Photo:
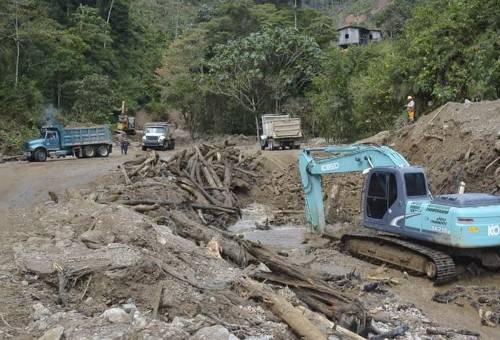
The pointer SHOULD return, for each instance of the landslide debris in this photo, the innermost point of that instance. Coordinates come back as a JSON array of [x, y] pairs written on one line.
[[150, 252], [456, 142]]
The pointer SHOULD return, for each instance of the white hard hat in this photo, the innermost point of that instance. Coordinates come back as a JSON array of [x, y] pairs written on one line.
[[410, 97]]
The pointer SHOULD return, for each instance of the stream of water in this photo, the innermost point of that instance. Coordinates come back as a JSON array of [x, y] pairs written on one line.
[[286, 236]]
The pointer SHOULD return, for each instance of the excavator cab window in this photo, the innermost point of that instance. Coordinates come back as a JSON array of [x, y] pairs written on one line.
[[382, 193], [415, 184]]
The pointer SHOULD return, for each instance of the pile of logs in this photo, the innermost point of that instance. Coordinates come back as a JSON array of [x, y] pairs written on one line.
[[349, 316], [210, 174]]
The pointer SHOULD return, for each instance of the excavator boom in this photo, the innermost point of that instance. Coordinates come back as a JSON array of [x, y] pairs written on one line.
[[314, 162]]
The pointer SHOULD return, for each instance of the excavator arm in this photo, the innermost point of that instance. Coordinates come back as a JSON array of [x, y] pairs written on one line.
[[338, 159]]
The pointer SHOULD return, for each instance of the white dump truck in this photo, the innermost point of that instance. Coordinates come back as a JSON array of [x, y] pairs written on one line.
[[279, 131]]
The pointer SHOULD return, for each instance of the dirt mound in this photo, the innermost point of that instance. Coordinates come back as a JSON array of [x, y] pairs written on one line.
[[140, 274], [455, 143]]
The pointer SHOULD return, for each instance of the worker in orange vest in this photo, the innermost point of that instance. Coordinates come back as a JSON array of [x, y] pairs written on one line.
[[410, 107]]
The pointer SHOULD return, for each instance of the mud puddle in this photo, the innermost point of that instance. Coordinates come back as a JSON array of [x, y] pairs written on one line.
[[286, 236]]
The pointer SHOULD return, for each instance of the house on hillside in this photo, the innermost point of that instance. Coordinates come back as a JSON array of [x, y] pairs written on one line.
[[357, 35]]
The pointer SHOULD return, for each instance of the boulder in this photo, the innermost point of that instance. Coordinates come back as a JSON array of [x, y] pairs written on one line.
[[497, 145], [116, 315], [53, 334], [216, 332], [95, 239], [40, 311]]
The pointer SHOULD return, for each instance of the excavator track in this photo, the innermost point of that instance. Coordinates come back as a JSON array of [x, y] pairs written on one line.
[[436, 265]]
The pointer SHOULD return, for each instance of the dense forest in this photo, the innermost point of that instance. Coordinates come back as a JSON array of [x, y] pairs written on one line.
[[221, 63]]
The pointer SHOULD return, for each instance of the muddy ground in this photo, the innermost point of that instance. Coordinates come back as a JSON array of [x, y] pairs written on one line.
[[41, 238]]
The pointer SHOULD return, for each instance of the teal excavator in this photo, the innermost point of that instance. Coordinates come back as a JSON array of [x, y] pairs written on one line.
[[411, 229]]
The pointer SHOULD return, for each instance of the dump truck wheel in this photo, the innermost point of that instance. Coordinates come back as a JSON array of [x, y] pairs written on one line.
[[40, 155], [102, 151], [171, 145], [88, 151]]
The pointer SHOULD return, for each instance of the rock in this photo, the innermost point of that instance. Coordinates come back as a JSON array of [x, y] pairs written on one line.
[[129, 307], [40, 311], [64, 233], [498, 134], [181, 323], [116, 315], [497, 145], [95, 239], [139, 321], [53, 334], [216, 332]]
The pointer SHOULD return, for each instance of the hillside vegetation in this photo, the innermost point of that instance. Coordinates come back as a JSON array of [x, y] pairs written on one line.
[[221, 64]]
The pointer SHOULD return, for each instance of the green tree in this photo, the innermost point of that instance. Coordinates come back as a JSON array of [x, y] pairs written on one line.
[[95, 99], [181, 79], [265, 68]]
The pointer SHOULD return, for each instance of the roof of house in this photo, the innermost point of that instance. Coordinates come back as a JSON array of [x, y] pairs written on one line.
[[358, 27]]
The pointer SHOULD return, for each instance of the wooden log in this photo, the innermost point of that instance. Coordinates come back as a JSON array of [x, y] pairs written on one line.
[[125, 176], [157, 300], [145, 208], [428, 136], [231, 249], [213, 174], [228, 199], [179, 160], [283, 309], [209, 197], [243, 171], [208, 176], [449, 332], [145, 202], [187, 185], [216, 208], [328, 324], [136, 161]]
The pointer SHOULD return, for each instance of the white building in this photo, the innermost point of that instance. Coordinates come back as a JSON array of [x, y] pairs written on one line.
[[357, 35]]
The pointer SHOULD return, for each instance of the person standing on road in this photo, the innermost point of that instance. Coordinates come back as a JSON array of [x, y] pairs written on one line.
[[410, 108], [123, 144]]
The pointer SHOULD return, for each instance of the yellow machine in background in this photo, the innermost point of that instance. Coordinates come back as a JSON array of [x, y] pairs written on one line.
[[125, 122]]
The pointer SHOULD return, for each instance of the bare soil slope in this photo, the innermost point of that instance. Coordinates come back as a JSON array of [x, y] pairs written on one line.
[[457, 142]]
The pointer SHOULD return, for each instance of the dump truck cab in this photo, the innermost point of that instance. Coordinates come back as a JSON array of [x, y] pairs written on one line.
[[158, 135]]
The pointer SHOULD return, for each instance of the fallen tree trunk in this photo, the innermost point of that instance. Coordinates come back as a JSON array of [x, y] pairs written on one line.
[[192, 230], [216, 208], [283, 309], [145, 202], [324, 322], [125, 176]]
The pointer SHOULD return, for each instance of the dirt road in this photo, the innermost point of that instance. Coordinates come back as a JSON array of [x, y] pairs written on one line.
[[24, 184]]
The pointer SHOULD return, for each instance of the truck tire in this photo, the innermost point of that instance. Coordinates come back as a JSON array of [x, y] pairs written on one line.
[[171, 144], [88, 151], [102, 151], [40, 155], [144, 148], [271, 145]]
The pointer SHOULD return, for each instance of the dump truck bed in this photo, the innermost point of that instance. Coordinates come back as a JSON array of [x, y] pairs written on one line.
[[281, 127], [85, 136]]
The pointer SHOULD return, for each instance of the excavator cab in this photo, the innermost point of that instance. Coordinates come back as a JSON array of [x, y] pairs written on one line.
[[386, 193]]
